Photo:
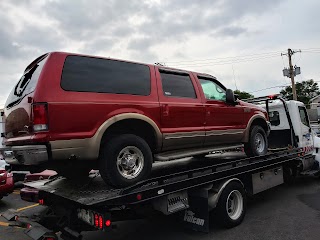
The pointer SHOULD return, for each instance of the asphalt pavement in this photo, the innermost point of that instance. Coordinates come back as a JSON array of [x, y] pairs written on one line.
[[285, 212]]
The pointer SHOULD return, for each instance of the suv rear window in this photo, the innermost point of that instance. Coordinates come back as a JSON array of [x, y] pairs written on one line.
[[176, 84], [87, 74], [27, 82]]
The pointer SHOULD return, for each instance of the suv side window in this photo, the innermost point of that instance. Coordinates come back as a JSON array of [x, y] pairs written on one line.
[[212, 90], [177, 84], [87, 74], [304, 116]]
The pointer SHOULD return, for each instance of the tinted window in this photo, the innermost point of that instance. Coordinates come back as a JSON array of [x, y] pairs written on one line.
[[274, 118], [213, 90], [304, 116], [27, 82], [177, 85], [85, 74]]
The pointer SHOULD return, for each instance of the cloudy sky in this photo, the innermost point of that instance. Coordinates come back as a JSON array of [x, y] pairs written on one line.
[[239, 42]]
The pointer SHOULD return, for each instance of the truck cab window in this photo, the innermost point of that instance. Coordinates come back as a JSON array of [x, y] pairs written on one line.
[[304, 116], [212, 90], [274, 118]]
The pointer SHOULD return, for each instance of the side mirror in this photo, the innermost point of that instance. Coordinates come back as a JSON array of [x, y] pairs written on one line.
[[230, 96]]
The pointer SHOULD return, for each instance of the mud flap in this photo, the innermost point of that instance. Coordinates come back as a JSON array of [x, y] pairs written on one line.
[[197, 216]]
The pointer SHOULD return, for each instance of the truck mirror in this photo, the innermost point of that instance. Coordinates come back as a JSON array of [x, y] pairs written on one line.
[[230, 96]]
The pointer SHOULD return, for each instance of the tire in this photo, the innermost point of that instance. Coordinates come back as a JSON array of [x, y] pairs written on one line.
[[115, 167], [226, 215], [258, 142]]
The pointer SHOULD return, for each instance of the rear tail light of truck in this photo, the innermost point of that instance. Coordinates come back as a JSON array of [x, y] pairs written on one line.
[[98, 220], [40, 117]]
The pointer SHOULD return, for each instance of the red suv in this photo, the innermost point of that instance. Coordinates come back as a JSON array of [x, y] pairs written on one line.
[[70, 111]]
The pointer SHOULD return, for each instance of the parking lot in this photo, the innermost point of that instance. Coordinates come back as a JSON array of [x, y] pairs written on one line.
[[285, 212]]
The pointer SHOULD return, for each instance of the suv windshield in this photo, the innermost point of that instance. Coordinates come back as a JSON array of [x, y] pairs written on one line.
[[27, 82]]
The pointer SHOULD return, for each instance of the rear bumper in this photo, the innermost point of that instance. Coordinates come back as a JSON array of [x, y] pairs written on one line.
[[28, 155], [75, 149]]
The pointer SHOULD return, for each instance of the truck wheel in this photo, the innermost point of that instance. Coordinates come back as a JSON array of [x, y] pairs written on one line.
[[258, 143], [232, 205], [125, 160]]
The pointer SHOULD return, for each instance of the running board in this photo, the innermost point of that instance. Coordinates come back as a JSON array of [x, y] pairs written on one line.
[[167, 156]]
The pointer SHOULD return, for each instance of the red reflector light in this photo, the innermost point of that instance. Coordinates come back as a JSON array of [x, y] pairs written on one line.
[[41, 201], [108, 223], [100, 222], [40, 117], [139, 197], [96, 220]]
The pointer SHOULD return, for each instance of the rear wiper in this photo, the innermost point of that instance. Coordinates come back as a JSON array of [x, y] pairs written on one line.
[[23, 82]]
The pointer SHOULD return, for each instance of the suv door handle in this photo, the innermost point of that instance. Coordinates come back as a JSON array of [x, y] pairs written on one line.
[[165, 110]]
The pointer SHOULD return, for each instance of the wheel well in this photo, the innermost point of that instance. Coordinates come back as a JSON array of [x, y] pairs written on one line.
[[260, 122], [132, 126]]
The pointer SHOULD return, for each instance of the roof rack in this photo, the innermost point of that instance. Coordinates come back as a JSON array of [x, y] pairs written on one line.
[[263, 98]]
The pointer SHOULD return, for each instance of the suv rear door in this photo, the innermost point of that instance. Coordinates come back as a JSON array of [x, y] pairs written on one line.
[[18, 107], [224, 122], [182, 111]]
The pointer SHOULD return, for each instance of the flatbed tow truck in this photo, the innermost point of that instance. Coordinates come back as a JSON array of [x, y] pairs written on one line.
[[216, 190]]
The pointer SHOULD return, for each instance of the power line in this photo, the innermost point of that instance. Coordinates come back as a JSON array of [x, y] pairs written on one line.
[[227, 62], [239, 56]]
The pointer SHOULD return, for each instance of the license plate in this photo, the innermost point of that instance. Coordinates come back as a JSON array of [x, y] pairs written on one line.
[[86, 216]]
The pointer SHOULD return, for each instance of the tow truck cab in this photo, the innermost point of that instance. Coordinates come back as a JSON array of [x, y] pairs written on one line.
[[290, 128]]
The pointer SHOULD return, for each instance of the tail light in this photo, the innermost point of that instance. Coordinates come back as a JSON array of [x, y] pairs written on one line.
[[40, 117], [100, 222]]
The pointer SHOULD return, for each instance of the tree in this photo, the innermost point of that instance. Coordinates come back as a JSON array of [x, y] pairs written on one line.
[[243, 95], [306, 90]]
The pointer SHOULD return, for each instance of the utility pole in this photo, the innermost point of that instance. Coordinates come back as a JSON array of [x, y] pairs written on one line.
[[291, 72], [294, 91]]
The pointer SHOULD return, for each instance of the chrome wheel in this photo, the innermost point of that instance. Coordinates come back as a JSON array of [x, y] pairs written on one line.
[[234, 205], [260, 143], [130, 162]]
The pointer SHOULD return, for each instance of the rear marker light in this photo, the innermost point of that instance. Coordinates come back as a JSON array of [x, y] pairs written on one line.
[[41, 201], [96, 220], [108, 223], [100, 222], [139, 197]]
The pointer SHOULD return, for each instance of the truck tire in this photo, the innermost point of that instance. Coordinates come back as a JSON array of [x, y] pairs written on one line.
[[258, 142], [125, 160], [232, 205]]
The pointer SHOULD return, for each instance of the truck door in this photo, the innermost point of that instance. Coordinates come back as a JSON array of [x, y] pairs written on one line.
[[224, 122], [305, 136], [182, 110]]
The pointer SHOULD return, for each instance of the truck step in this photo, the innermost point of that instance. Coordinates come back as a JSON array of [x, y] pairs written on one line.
[[170, 155]]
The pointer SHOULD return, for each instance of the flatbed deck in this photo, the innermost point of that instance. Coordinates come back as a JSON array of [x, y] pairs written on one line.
[[94, 192]]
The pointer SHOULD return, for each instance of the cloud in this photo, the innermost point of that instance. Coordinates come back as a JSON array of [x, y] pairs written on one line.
[[161, 31]]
